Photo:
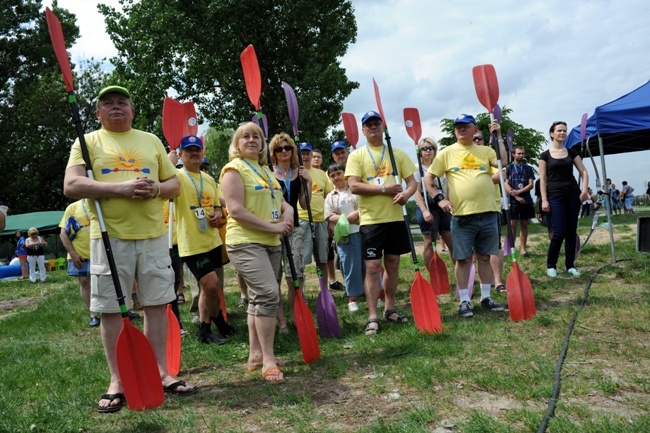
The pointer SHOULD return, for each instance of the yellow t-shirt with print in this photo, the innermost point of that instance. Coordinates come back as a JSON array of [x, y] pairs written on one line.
[[469, 177], [372, 165], [191, 240], [120, 157], [321, 185], [76, 221], [257, 199]]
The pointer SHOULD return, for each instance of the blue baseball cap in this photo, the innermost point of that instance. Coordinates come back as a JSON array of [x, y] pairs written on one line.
[[370, 115], [191, 141], [305, 145], [465, 118], [338, 145]]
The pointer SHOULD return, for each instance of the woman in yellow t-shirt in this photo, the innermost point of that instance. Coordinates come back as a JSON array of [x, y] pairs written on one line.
[[258, 217]]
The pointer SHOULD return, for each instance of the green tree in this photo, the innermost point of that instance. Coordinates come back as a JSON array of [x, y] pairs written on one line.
[[192, 50], [217, 142], [532, 140]]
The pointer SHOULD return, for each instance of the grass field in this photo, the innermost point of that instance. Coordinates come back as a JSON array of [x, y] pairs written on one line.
[[483, 374]]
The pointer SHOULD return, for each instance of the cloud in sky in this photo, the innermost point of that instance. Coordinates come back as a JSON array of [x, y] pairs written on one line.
[[555, 60]]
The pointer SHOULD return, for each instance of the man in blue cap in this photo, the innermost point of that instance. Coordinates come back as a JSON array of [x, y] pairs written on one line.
[[371, 176], [340, 152], [473, 204]]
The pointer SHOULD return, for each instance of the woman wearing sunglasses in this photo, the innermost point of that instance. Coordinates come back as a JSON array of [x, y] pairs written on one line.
[[430, 217], [290, 175]]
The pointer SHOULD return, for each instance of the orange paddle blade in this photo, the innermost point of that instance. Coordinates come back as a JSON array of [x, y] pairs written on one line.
[[306, 330], [173, 343], [527, 295], [351, 129], [438, 275], [412, 124], [486, 86], [424, 304], [58, 42], [190, 123], [138, 369], [172, 122], [252, 75]]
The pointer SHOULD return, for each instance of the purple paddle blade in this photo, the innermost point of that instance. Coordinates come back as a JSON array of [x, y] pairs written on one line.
[[292, 106], [497, 113], [510, 138]]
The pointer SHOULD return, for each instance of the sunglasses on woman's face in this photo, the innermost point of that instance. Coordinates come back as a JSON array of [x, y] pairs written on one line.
[[279, 149], [428, 149], [478, 138]]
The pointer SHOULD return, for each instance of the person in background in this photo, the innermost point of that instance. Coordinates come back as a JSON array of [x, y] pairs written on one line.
[[21, 253], [561, 196], [258, 217], [615, 197], [431, 219], [291, 177], [473, 205], [317, 159], [75, 237], [132, 177], [587, 205], [340, 155], [520, 179], [35, 254], [342, 202], [370, 175], [3, 216], [628, 197], [544, 218], [340, 152]]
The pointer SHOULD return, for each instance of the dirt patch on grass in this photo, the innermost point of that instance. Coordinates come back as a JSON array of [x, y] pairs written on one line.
[[13, 306]]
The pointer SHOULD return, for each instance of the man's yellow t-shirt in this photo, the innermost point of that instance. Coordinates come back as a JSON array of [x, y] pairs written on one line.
[[119, 157], [372, 165], [76, 221], [469, 177], [321, 185]]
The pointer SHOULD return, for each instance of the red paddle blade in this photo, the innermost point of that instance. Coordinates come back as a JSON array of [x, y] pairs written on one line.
[[326, 316], [138, 369], [424, 304], [173, 343], [378, 99], [172, 122], [252, 75], [486, 86], [438, 275], [351, 129], [222, 303], [190, 123], [412, 123], [306, 330], [292, 107], [58, 42], [521, 300]]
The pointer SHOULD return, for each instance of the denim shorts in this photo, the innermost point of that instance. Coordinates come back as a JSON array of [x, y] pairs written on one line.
[[83, 272], [478, 233], [441, 221]]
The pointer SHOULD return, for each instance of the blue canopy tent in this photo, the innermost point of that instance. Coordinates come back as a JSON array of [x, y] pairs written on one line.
[[620, 126]]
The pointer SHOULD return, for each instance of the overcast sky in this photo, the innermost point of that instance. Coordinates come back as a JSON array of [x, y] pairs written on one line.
[[555, 60]]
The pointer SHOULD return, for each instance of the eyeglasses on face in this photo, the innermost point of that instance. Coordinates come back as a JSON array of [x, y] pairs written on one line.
[[286, 147], [372, 123], [478, 138], [428, 149]]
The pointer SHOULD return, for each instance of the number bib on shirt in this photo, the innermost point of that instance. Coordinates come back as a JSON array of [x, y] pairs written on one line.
[[199, 213]]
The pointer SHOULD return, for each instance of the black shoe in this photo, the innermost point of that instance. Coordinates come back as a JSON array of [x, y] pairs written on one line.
[[224, 327], [336, 285], [132, 315], [94, 321], [206, 335]]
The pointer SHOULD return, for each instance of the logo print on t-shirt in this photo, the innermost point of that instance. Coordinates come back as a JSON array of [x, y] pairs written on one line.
[[125, 163], [470, 163]]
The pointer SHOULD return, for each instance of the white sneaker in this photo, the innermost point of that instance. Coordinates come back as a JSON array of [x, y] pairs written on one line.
[[380, 303], [352, 306], [184, 332], [551, 272], [196, 319], [574, 272]]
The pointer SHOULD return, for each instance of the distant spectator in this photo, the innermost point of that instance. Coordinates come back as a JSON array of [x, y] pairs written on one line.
[[628, 197], [3, 217], [35, 254], [21, 253]]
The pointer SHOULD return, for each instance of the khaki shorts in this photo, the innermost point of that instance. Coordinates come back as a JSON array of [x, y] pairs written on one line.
[[295, 241], [147, 260], [308, 245], [259, 266]]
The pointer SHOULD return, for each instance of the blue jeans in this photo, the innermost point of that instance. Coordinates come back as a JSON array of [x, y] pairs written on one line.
[[352, 266], [564, 219], [480, 231]]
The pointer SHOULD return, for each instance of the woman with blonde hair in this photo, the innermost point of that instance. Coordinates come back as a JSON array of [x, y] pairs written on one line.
[[259, 216], [291, 177], [35, 254]]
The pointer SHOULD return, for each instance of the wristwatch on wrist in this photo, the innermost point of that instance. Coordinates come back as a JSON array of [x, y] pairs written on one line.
[[437, 199], [383, 189]]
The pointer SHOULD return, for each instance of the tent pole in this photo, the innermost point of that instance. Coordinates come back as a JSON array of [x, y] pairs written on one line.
[[609, 200]]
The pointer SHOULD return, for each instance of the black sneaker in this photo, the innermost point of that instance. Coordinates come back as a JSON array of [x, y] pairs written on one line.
[[206, 335], [224, 327], [336, 285], [94, 321], [132, 315], [489, 304], [465, 309]]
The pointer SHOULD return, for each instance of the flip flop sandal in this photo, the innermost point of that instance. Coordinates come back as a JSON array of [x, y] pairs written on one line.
[[371, 330], [111, 408], [400, 318], [173, 389], [273, 376], [258, 365]]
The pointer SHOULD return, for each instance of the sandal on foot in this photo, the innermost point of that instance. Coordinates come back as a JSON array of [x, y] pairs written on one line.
[[111, 407], [254, 366], [501, 288], [173, 389], [273, 375], [372, 330], [400, 318]]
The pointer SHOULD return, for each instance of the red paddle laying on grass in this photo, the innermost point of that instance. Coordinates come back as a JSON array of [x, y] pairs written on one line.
[[437, 270], [304, 320], [424, 304], [136, 361], [521, 301]]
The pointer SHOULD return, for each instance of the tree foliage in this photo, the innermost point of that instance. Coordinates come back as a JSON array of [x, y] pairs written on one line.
[[191, 50], [532, 140]]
